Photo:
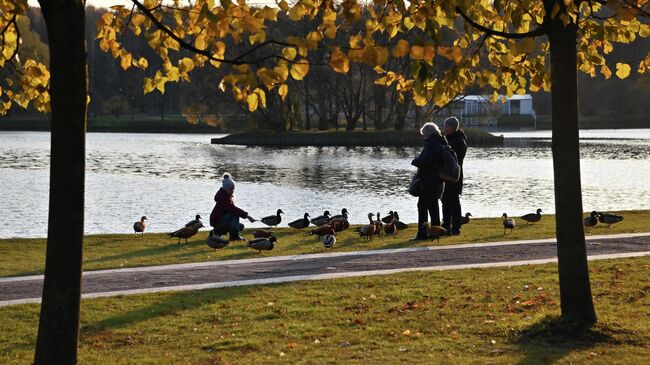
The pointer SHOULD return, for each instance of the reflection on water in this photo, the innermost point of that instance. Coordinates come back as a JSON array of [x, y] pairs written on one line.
[[171, 177]]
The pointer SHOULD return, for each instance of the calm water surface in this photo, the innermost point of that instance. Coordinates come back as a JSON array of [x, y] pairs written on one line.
[[171, 177]]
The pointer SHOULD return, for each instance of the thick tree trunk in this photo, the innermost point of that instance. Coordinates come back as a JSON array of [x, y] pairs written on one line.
[[575, 289], [59, 320]]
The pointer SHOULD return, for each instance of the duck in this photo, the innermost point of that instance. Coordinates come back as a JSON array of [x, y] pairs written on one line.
[[340, 221], [260, 233], [370, 222], [367, 231], [217, 242], [337, 225], [391, 228], [465, 219], [609, 218], [532, 217], [300, 223], [592, 220], [507, 223], [194, 221], [434, 232], [138, 227], [322, 219], [329, 240], [186, 232], [262, 244], [322, 231], [401, 225], [273, 220], [388, 218], [344, 215]]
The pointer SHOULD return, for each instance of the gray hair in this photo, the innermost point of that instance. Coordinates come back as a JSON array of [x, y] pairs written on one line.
[[429, 129], [452, 122]]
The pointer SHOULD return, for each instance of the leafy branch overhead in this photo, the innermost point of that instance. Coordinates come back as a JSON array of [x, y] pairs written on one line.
[[500, 45]]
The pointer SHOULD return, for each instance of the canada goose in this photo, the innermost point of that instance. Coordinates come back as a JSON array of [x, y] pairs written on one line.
[[367, 231], [592, 220], [465, 219], [387, 219], [532, 217], [262, 244], [344, 215], [391, 228], [273, 220], [260, 233], [300, 223], [609, 218], [139, 226], [401, 225], [186, 232], [507, 223], [322, 231], [194, 221], [216, 241], [329, 240], [434, 232], [322, 219]]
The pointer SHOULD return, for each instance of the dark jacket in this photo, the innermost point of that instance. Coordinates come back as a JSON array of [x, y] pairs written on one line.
[[458, 143], [428, 163], [223, 206]]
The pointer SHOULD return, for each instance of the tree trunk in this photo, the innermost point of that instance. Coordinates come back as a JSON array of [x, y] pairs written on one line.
[[575, 290], [59, 319]]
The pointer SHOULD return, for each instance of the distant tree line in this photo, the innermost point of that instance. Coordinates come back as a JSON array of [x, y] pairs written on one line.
[[324, 99]]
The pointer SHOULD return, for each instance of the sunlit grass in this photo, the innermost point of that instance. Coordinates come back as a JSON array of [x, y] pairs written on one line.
[[26, 256], [500, 316]]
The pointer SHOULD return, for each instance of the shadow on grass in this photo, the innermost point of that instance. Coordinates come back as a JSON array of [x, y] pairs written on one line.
[[552, 338], [150, 251], [172, 304]]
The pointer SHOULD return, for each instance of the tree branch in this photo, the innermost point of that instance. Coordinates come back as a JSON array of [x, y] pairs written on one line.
[[534, 33]]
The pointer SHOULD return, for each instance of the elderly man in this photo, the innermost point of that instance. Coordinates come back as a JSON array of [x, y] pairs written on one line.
[[428, 163], [451, 213]]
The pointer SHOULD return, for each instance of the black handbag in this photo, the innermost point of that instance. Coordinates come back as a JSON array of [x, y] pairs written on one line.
[[415, 187]]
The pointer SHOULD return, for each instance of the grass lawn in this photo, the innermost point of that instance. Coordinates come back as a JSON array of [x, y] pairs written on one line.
[[479, 316], [27, 256]]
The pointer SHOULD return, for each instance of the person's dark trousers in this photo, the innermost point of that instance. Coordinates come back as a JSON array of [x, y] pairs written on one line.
[[451, 213], [229, 223], [427, 208]]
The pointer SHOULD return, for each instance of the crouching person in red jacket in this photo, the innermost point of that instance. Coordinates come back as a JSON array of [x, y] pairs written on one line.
[[225, 215]]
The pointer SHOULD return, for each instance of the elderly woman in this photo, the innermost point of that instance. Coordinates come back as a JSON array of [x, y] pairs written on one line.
[[225, 215], [428, 163]]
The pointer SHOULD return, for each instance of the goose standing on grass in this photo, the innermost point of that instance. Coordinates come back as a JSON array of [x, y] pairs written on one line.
[[329, 240], [401, 225], [186, 232], [273, 220], [217, 242], [262, 244], [507, 223], [609, 218], [370, 222], [367, 231], [592, 220], [138, 227], [260, 233], [322, 220], [532, 217], [300, 223], [322, 231], [194, 221], [465, 219], [434, 232], [344, 215], [389, 218], [337, 225]]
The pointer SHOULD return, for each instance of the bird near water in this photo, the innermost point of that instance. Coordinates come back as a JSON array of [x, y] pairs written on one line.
[[186, 232], [609, 218], [388, 218], [592, 220], [329, 240], [322, 231], [508, 223], [300, 223], [273, 220], [138, 227], [194, 221], [344, 215], [465, 219], [434, 232], [532, 217], [262, 244], [260, 233], [322, 220], [217, 242]]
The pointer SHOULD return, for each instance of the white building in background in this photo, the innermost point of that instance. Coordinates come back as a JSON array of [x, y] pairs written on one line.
[[478, 110]]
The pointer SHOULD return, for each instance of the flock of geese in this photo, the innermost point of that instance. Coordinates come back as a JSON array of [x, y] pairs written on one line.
[[328, 225]]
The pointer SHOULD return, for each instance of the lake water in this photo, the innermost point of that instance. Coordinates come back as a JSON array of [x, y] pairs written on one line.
[[171, 177]]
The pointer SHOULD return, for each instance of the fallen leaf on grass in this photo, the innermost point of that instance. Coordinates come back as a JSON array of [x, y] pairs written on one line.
[[292, 345]]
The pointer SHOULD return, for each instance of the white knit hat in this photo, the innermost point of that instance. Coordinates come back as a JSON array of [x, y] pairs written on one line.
[[228, 183]]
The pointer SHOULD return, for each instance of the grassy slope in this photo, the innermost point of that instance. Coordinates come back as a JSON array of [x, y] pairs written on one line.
[[26, 256], [500, 315]]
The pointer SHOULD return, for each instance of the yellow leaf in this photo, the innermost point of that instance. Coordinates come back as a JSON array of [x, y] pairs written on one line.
[[289, 53], [606, 72], [622, 70], [417, 53], [297, 12], [261, 95], [339, 61], [284, 6], [200, 42], [125, 60], [185, 65], [143, 63], [282, 90], [252, 101], [401, 49], [299, 70]]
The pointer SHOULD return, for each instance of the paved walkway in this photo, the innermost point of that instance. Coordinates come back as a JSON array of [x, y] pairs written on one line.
[[217, 274]]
